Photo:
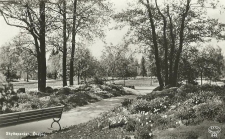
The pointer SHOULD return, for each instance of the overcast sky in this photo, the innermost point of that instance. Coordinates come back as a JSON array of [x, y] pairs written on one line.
[[112, 36]]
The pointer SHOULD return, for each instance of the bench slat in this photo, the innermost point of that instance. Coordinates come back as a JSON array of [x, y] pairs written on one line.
[[30, 116], [9, 119], [58, 113], [2, 119], [7, 124], [38, 112], [15, 113], [8, 116]]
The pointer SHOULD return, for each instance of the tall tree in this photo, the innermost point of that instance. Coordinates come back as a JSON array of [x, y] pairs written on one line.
[[64, 44], [73, 42], [42, 45], [24, 14], [187, 24]]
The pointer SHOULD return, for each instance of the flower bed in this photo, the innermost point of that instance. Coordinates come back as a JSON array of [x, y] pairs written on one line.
[[159, 112]]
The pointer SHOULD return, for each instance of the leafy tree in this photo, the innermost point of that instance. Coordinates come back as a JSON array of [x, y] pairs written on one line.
[[54, 66], [210, 63], [9, 62], [179, 23], [30, 16], [85, 64], [89, 18], [112, 57]]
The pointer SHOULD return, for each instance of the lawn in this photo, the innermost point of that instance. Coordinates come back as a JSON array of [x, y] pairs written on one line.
[[140, 81], [33, 84]]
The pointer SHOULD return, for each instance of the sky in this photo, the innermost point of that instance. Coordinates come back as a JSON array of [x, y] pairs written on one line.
[[112, 36]]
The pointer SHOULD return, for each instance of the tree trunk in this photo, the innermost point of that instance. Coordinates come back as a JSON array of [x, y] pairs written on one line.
[[201, 77], [73, 43], [37, 47], [55, 75], [64, 44], [176, 66], [164, 43], [158, 66], [171, 49], [42, 46], [78, 78], [27, 76]]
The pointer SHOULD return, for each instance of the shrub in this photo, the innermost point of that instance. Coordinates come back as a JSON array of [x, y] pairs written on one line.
[[170, 93], [209, 110], [185, 113], [25, 97], [49, 90], [64, 91], [54, 101], [80, 99], [156, 105], [219, 90], [126, 102], [144, 131], [21, 90], [187, 88], [117, 121], [130, 126], [98, 81]]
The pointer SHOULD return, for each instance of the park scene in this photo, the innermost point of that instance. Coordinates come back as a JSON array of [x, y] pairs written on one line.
[[110, 69]]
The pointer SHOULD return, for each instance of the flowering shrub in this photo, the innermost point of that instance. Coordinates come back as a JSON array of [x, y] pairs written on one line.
[[187, 88], [54, 101], [8, 99], [131, 125], [156, 105], [144, 127], [209, 110], [126, 102], [117, 121]]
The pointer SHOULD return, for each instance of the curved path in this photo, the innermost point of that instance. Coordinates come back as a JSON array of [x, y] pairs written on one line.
[[75, 116]]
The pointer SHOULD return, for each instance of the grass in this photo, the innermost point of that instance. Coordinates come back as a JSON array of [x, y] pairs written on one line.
[[33, 84], [145, 81]]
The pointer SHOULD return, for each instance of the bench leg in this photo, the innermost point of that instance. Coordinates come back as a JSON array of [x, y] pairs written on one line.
[[56, 121]]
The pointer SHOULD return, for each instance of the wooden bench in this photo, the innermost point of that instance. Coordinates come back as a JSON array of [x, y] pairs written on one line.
[[30, 116]]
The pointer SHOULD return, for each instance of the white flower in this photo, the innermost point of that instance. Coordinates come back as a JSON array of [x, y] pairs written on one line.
[[164, 116]]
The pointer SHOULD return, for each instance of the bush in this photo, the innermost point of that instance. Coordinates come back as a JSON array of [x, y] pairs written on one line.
[[219, 90], [187, 88], [166, 92], [156, 105], [49, 90], [79, 99], [98, 81], [117, 121], [144, 132], [209, 110], [54, 101], [64, 91], [126, 102], [131, 125]]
